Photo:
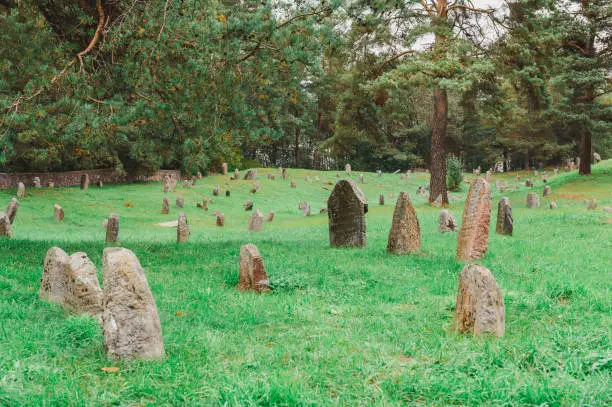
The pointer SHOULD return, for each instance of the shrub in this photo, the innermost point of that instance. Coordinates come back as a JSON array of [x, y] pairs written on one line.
[[454, 174]]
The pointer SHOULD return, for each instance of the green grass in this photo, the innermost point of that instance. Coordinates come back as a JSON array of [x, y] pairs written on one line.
[[342, 327]]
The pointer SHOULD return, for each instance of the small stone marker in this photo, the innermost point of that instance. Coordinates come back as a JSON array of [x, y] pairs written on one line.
[[347, 206], [505, 223], [323, 210], [596, 157], [379, 173], [165, 206], [11, 210], [473, 239], [556, 171], [528, 183], [553, 205], [405, 233], [361, 180], [438, 201], [220, 220], [205, 204], [488, 176], [37, 182], [248, 205], [224, 168], [284, 173], [180, 202], [308, 179], [58, 213], [5, 226], [607, 209], [50, 184], [306, 210], [236, 174], [216, 191], [480, 307], [251, 175], [293, 185], [255, 188], [348, 169], [533, 200], [131, 324], [253, 274], [71, 281], [186, 184], [112, 228], [381, 199], [256, 222], [270, 216], [227, 193], [592, 204], [182, 229], [21, 191], [577, 162], [447, 222], [547, 191], [100, 183], [85, 182]]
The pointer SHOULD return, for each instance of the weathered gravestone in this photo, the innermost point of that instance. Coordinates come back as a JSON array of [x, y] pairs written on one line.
[[347, 207], [405, 233], [255, 188], [547, 191], [5, 226], [592, 204], [473, 239], [112, 228], [361, 180], [100, 183], [348, 169], [224, 168], [379, 173], [533, 200], [284, 173], [253, 274], [447, 222], [36, 182], [505, 223], [381, 199], [11, 210], [131, 324], [306, 210], [236, 174], [220, 220], [528, 183], [182, 229], [596, 157], [85, 182], [270, 216], [51, 184], [58, 213], [248, 205], [21, 191], [165, 206], [607, 209], [480, 305], [251, 175], [180, 202], [216, 190], [438, 201], [227, 193], [71, 281], [256, 221], [293, 185], [186, 184], [553, 205]]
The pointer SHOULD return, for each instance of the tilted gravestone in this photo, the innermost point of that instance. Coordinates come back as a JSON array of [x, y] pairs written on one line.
[[182, 229], [547, 191], [5, 226], [533, 200], [58, 213], [405, 233], [256, 221], [85, 182], [270, 216], [473, 238], [253, 274], [112, 228], [71, 281], [347, 206], [220, 220], [165, 206], [11, 210], [224, 168], [21, 191], [480, 307], [130, 321], [447, 222], [505, 222], [251, 175], [180, 202]]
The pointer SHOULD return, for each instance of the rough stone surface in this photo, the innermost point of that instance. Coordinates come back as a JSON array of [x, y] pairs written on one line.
[[224, 168], [270, 216], [528, 183], [58, 213], [361, 179], [253, 274], [228, 193], [180, 202], [182, 229], [51, 184], [236, 174], [293, 185], [504, 225], [480, 307], [306, 210], [256, 222], [131, 324], [216, 191], [71, 281], [553, 205], [165, 206], [473, 238], [85, 182], [220, 220], [607, 209], [5, 226], [381, 199], [112, 228], [186, 184], [596, 157], [547, 191], [533, 200], [438, 201], [592, 204], [11, 210], [36, 182], [21, 191], [405, 233], [348, 169], [347, 206], [248, 206], [251, 175], [284, 173], [447, 222]]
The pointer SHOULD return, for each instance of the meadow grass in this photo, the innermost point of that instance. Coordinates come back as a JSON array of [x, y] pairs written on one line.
[[345, 327]]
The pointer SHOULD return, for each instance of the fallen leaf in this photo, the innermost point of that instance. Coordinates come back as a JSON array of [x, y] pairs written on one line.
[[180, 314], [110, 369]]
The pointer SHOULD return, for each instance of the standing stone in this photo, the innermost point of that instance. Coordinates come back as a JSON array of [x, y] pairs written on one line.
[[308, 179], [112, 228], [577, 162], [58, 213], [248, 205], [216, 190], [473, 239], [271, 177], [227, 193], [236, 174], [528, 183], [556, 171], [205, 204], [596, 157], [131, 324], [447, 222], [165, 206], [11, 210], [100, 183], [256, 222], [224, 168], [347, 206], [348, 169], [533, 200], [438, 201], [381, 199], [182, 229], [166, 184], [488, 176], [50, 184], [21, 190], [199, 175], [553, 205], [37, 182], [592, 204], [71, 281], [180, 202], [379, 173], [186, 184], [5, 226], [547, 190], [293, 185], [253, 274], [480, 307], [361, 180], [85, 182], [405, 233], [306, 210], [607, 209], [505, 222], [220, 220], [270, 216], [284, 174], [255, 188], [251, 175]]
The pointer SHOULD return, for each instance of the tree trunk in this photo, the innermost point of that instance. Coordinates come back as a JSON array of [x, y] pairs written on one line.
[[437, 167], [585, 152], [526, 163], [297, 147]]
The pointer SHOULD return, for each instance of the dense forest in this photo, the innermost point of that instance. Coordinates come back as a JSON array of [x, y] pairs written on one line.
[[380, 84]]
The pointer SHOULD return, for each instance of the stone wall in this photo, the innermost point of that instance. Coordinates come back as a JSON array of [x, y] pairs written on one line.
[[70, 178]]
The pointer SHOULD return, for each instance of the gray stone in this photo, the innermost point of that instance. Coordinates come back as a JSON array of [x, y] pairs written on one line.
[[348, 169], [553, 205], [131, 324], [58, 213], [347, 206], [405, 233], [256, 222], [248, 206], [251, 175], [547, 191], [50, 184], [253, 276], [21, 191], [284, 173], [596, 158], [361, 179], [216, 190], [592, 204], [224, 168], [37, 182], [505, 222], [533, 200], [5, 226], [182, 229], [165, 206], [270, 216], [473, 238], [85, 182], [11, 210], [236, 174], [112, 228], [447, 222], [180, 202]]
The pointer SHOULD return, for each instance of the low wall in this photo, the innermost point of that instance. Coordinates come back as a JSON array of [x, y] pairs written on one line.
[[70, 178]]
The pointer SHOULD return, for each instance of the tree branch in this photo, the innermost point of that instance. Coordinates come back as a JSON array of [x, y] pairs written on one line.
[[401, 54]]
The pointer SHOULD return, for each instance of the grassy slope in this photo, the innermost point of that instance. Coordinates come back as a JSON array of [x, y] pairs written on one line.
[[344, 327]]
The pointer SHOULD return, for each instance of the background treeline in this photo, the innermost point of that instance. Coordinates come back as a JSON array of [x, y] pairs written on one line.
[[142, 85]]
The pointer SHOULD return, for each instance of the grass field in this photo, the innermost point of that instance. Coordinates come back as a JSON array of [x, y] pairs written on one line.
[[342, 327]]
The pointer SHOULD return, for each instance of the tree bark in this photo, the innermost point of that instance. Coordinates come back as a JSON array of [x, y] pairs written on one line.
[[585, 152], [297, 147], [437, 167]]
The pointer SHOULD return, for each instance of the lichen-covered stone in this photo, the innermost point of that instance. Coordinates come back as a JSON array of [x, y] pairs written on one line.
[[253, 274], [11, 210], [505, 222], [533, 200], [447, 222], [182, 229], [473, 238], [347, 206], [256, 222], [58, 213], [112, 228], [405, 233], [5, 225]]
